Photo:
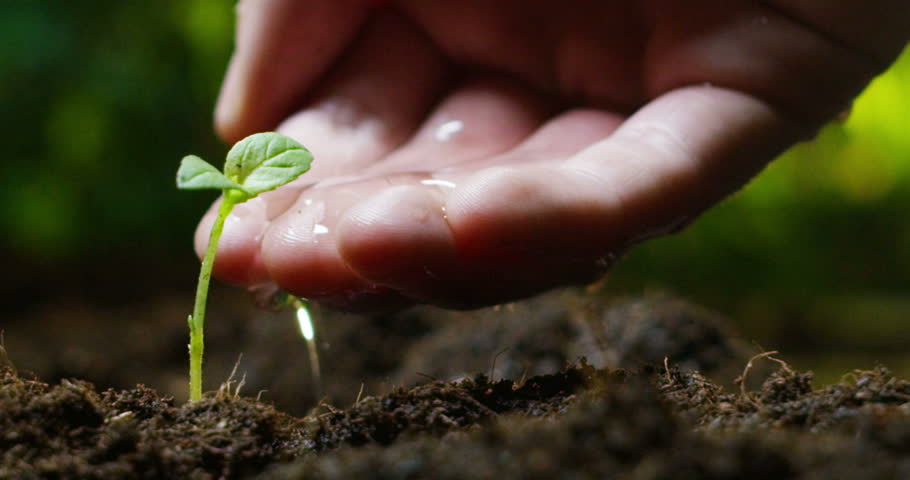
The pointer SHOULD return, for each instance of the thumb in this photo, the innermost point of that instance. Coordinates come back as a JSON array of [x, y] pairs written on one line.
[[282, 47]]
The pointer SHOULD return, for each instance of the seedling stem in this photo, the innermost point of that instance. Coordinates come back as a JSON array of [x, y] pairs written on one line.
[[256, 164], [197, 320]]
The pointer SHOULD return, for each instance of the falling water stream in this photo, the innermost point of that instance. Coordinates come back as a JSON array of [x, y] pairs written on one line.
[[269, 297], [305, 322]]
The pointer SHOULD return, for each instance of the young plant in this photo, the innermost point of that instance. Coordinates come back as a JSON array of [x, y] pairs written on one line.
[[256, 164]]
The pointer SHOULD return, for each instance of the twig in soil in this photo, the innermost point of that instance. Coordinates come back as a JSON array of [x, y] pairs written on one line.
[[357, 401], [427, 376], [521, 382], [742, 379], [321, 403]]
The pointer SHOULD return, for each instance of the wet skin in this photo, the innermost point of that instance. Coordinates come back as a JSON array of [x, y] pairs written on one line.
[[472, 152]]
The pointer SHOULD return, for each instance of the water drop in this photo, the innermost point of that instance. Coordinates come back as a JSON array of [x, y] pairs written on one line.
[[436, 182], [304, 322], [445, 131]]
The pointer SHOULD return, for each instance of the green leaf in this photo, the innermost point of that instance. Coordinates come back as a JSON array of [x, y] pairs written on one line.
[[266, 161], [197, 174]]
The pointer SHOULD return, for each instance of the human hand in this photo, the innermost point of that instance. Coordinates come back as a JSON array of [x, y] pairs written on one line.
[[472, 152]]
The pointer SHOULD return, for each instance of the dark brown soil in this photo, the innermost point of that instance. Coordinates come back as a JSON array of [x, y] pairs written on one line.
[[581, 423], [589, 420]]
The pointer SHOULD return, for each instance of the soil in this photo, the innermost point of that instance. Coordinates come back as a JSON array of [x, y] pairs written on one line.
[[500, 393]]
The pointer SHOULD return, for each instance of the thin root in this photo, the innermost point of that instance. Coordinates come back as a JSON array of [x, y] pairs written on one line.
[[359, 394], [742, 379], [227, 389]]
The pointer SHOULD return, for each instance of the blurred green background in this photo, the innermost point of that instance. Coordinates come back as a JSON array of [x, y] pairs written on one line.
[[102, 98]]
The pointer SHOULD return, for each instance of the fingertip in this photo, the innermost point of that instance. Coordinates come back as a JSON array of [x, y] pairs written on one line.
[[300, 254], [516, 215], [302, 258], [282, 47], [203, 229], [228, 107], [685, 151], [490, 213], [237, 260], [400, 239]]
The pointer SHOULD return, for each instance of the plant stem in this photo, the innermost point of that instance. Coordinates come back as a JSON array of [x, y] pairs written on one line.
[[197, 320]]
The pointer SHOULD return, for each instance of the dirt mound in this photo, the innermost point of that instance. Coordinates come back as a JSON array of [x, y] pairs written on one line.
[[580, 423]]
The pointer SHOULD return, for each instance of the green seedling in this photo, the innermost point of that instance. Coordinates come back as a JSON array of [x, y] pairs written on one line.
[[256, 164]]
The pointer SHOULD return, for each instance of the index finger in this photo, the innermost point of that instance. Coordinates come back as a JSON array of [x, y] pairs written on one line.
[[282, 47]]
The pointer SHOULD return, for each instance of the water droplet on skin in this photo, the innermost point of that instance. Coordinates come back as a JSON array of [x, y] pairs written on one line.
[[308, 226], [436, 182], [403, 178], [420, 178], [277, 202], [448, 129]]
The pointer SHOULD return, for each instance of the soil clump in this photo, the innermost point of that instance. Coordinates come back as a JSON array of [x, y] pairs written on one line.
[[569, 386]]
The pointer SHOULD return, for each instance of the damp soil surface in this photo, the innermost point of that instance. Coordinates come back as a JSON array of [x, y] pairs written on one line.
[[635, 402]]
